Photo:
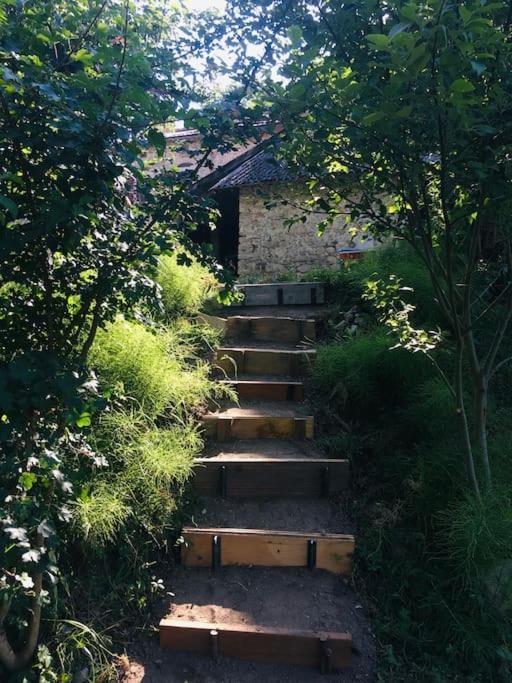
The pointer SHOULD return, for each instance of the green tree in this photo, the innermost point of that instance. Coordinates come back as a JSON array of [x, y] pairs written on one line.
[[401, 114], [84, 88]]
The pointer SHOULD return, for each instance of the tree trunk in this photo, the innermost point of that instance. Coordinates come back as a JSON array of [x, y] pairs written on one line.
[[12, 660], [481, 401]]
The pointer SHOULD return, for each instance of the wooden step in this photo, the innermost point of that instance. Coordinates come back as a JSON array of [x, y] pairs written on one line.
[[219, 547], [283, 294], [271, 329], [224, 427], [267, 390], [260, 361], [270, 477], [326, 651]]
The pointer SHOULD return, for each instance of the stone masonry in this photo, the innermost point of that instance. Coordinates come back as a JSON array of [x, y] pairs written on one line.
[[268, 246]]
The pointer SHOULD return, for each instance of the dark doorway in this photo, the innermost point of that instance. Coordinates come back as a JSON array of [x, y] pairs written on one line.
[[225, 237]]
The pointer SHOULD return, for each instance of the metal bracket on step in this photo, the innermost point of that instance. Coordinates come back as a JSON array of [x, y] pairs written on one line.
[[311, 554], [216, 553], [313, 296], [214, 644], [223, 481], [290, 391], [326, 481], [280, 296], [325, 656]]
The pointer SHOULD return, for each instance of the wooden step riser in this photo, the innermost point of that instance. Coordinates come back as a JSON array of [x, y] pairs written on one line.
[[327, 652], [255, 362], [270, 478], [276, 330], [283, 294], [228, 428], [251, 547], [269, 391]]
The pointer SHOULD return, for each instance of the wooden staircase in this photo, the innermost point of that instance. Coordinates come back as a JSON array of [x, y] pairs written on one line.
[[263, 452]]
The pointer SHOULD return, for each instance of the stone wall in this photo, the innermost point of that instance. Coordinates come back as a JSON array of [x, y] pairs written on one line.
[[267, 245]]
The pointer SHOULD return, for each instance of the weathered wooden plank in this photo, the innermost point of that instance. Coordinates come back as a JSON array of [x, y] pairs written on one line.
[[237, 361], [277, 330], [224, 428], [267, 390], [258, 643], [265, 548], [270, 478], [283, 294]]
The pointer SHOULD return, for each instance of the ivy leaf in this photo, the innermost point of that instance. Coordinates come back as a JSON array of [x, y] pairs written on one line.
[[25, 580], [16, 533], [27, 480], [31, 555], [46, 528]]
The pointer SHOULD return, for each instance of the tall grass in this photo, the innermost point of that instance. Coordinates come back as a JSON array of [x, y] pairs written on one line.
[[156, 369], [185, 287]]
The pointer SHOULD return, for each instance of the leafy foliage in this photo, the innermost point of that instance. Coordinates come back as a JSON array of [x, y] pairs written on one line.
[[398, 114], [432, 561], [85, 89]]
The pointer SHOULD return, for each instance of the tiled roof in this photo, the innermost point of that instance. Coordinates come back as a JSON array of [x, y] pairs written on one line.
[[263, 167]]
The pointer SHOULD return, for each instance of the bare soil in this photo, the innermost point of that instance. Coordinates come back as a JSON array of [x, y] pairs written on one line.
[[322, 516], [285, 598], [262, 448], [263, 409]]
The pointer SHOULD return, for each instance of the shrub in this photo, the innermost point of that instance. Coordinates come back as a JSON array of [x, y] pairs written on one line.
[[345, 286], [365, 376], [185, 287]]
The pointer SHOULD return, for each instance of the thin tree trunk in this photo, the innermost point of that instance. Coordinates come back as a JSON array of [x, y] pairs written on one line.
[[470, 460], [481, 401]]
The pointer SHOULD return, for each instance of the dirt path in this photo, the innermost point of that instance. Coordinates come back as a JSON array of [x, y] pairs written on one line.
[[294, 598]]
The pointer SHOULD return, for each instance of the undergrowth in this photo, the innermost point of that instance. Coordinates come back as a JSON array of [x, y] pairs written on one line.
[[154, 376], [436, 568], [185, 284]]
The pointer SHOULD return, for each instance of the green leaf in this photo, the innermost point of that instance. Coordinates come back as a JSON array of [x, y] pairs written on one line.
[[461, 85], [297, 91], [9, 205], [157, 140], [399, 28], [478, 68], [27, 480], [83, 56], [404, 112], [295, 35], [378, 41], [84, 420], [373, 118]]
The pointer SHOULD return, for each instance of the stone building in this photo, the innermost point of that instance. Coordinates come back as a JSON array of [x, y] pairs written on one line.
[[256, 196]]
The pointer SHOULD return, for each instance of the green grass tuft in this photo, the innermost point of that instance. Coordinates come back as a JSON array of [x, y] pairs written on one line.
[[185, 288]]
